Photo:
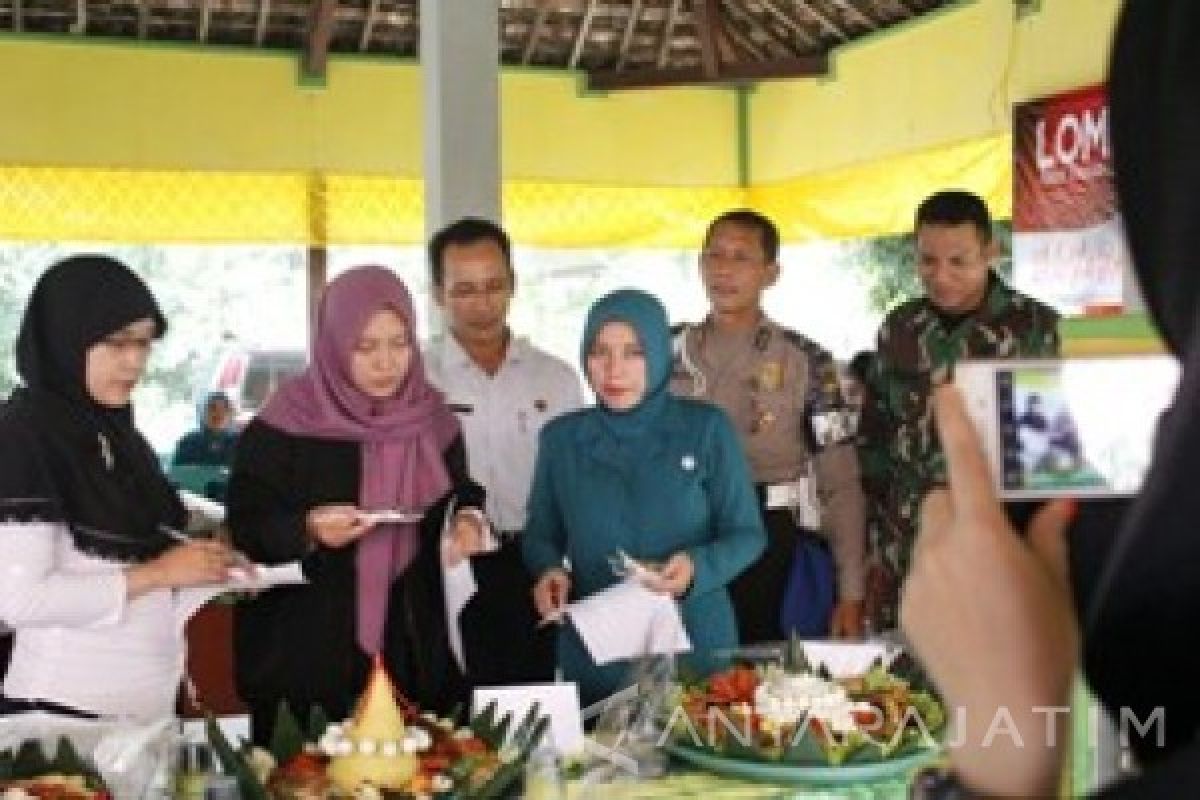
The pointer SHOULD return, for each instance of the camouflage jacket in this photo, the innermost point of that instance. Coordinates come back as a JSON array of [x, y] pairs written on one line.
[[900, 457]]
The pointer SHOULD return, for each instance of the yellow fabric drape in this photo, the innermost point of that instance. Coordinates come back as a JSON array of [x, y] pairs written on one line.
[[140, 206], [880, 198]]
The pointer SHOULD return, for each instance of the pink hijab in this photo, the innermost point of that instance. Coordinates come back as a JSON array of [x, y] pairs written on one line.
[[402, 437]]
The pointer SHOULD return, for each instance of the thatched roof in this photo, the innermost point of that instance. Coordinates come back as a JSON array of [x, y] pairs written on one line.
[[619, 43]]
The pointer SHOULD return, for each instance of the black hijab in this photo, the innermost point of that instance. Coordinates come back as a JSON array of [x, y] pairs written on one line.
[[67, 458], [1148, 604]]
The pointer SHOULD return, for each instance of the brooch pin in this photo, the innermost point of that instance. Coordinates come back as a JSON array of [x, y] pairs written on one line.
[[688, 462]]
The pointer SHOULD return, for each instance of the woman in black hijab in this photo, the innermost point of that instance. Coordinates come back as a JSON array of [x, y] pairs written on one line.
[[1017, 647], [88, 553]]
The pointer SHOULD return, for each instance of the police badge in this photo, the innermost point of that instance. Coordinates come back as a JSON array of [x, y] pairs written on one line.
[[770, 377]]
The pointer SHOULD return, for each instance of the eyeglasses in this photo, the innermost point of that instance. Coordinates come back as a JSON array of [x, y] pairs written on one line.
[[467, 291]]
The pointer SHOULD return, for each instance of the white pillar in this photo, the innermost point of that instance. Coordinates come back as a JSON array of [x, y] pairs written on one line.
[[460, 65]]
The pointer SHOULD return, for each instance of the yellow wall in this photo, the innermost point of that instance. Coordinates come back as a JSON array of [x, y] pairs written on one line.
[[945, 78], [668, 137], [179, 108], [185, 108], [163, 133]]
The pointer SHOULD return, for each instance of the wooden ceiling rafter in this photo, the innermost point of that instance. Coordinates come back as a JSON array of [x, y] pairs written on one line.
[[368, 28], [739, 37], [205, 21], [700, 41], [321, 22], [143, 19], [585, 28], [824, 21], [789, 22], [635, 14], [786, 41], [260, 24], [535, 31], [707, 14], [664, 47], [79, 26], [852, 10], [741, 72]]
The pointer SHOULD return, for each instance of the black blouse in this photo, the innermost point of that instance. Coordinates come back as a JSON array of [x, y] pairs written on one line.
[[298, 642]]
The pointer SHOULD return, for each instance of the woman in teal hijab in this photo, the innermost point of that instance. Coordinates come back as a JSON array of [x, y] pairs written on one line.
[[659, 477]]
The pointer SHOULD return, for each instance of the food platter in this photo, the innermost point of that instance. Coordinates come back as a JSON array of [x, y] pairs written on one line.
[[791, 723], [802, 774]]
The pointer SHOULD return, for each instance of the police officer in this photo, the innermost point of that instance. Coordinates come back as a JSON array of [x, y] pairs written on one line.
[[966, 312], [783, 394]]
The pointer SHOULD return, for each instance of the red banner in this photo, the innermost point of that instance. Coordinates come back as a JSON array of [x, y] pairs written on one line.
[[1068, 248]]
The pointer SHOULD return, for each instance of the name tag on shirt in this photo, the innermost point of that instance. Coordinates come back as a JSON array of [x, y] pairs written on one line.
[[799, 497], [833, 427]]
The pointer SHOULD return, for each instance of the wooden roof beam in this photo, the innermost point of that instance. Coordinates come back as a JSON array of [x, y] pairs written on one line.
[[79, 26], [664, 47], [205, 20], [852, 10], [368, 29], [260, 24], [585, 27], [742, 40], [143, 21], [788, 21], [708, 16], [742, 72], [535, 31], [824, 21], [635, 13], [321, 21]]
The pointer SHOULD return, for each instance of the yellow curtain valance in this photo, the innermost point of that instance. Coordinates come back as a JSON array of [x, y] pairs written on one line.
[[140, 206]]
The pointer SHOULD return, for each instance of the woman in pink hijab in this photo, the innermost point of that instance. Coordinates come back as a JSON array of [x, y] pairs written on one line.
[[359, 432]]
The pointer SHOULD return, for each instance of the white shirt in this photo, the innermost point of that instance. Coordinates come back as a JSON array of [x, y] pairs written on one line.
[[79, 642], [502, 414]]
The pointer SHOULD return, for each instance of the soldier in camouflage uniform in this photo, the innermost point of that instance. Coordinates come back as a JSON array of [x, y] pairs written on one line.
[[967, 312], [782, 392]]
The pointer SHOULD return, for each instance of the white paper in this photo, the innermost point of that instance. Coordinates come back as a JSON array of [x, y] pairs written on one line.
[[458, 582], [459, 587], [558, 701], [391, 516], [627, 621], [848, 659], [189, 601], [211, 510], [265, 576]]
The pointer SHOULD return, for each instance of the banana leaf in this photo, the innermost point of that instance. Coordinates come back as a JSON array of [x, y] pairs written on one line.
[[287, 738], [30, 761], [820, 748], [318, 721], [483, 723], [499, 734], [233, 764], [67, 761]]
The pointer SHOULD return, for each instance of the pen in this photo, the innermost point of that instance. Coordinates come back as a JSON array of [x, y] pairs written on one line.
[[240, 560]]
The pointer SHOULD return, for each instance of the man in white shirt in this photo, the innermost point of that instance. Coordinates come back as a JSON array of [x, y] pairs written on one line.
[[503, 390]]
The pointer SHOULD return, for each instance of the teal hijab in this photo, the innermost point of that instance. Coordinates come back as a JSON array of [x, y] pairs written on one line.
[[646, 315]]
